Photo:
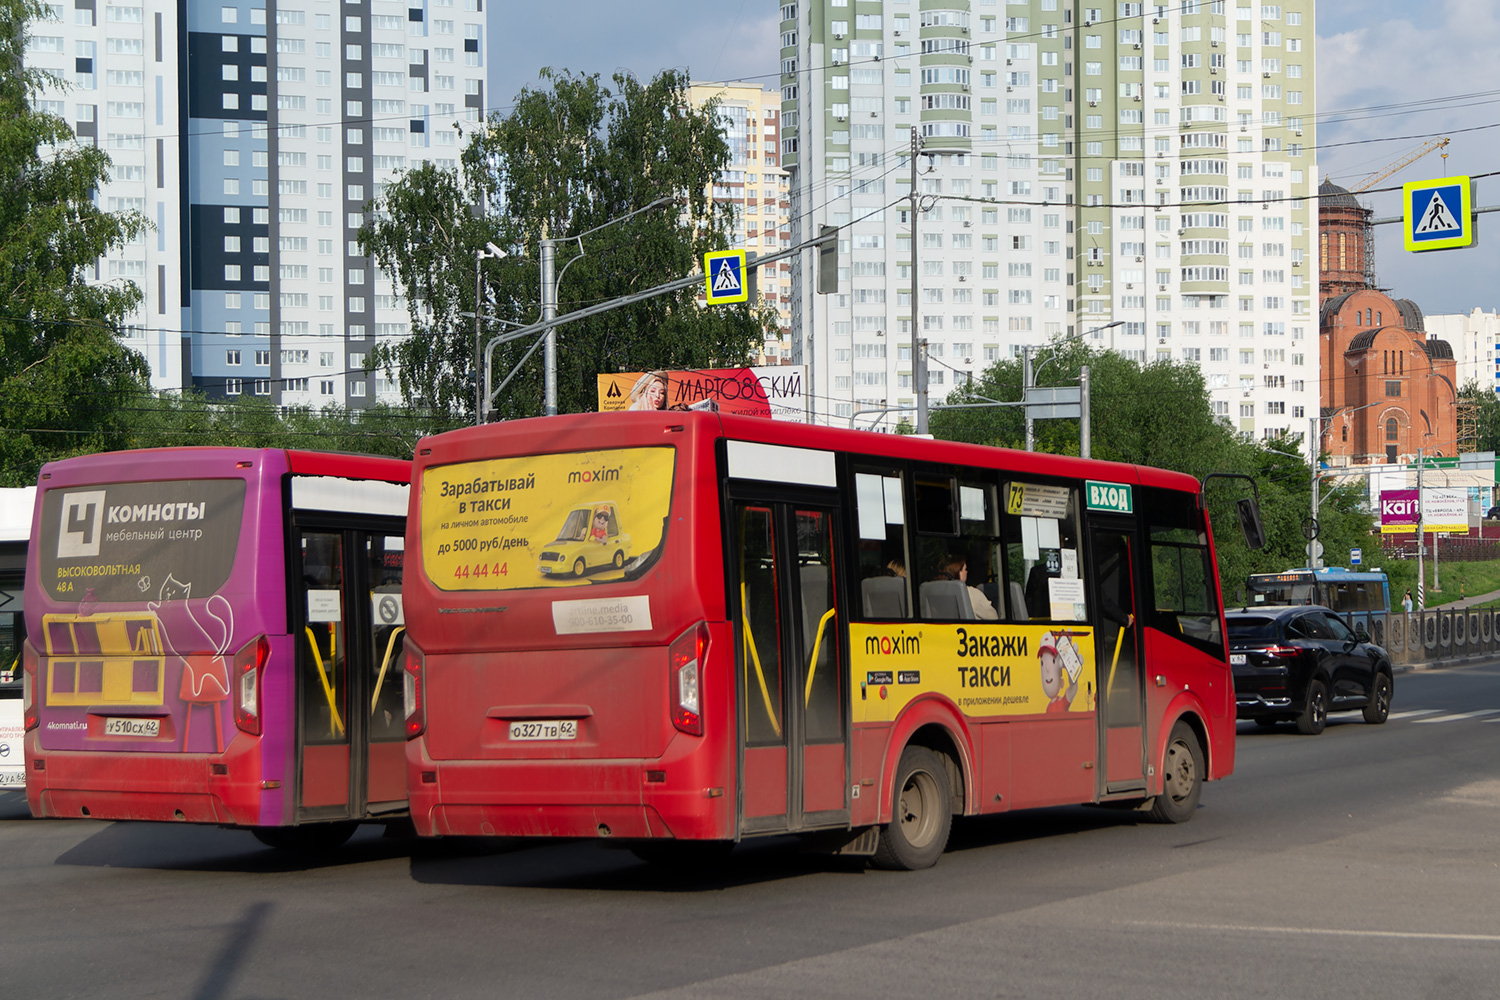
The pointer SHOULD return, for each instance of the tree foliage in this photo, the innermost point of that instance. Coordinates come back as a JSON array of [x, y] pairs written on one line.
[[1160, 415], [570, 157], [63, 374]]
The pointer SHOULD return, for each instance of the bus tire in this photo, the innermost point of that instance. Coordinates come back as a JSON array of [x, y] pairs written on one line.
[[1379, 708], [312, 838], [1315, 712], [1181, 777], [922, 806]]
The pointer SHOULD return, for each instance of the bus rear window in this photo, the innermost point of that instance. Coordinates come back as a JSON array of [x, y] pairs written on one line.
[[133, 542], [546, 520]]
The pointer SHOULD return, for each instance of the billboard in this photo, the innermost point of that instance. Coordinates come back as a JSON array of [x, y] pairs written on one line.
[[775, 391], [1440, 510]]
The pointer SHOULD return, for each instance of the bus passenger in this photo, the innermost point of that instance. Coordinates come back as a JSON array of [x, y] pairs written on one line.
[[956, 567]]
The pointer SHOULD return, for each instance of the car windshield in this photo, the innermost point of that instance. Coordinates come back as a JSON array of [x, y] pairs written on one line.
[[1247, 628], [576, 527]]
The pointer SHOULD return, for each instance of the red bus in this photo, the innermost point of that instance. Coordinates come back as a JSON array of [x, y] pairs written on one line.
[[698, 627], [213, 636]]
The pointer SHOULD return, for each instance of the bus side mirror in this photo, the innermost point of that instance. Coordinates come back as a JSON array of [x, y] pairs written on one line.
[[1249, 512]]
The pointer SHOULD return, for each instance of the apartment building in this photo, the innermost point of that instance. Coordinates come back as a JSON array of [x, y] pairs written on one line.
[[253, 133], [756, 187], [1138, 175], [1475, 337]]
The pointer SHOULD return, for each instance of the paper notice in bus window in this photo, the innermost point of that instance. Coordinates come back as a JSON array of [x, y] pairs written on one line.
[[1066, 597], [971, 503], [1070, 564], [869, 497], [565, 520], [1030, 550], [1046, 533], [323, 606]]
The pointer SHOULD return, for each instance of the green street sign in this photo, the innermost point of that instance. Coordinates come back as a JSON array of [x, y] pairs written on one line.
[[1114, 497]]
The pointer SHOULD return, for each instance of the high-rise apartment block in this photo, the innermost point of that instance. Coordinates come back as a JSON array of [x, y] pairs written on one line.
[[1137, 175], [253, 133], [755, 186]]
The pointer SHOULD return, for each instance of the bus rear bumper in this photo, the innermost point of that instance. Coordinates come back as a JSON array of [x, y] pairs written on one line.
[[621, 798], [171, 788]]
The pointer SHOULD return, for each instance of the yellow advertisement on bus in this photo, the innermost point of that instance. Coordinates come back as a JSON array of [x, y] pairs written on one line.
[[545, 520], [985, 669]]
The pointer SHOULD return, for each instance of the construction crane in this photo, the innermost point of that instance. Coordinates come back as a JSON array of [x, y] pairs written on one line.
[[1427, 147]]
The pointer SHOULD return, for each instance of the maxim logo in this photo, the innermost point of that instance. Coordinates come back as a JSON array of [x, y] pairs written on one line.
[[594, 476], [893, 645]]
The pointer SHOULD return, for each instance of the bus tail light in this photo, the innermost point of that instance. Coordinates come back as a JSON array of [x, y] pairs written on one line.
[[249, 667], [30, 711], [685, 678], [411, 690]]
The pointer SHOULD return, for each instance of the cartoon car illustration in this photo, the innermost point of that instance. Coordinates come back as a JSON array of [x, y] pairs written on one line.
[[590, 539]]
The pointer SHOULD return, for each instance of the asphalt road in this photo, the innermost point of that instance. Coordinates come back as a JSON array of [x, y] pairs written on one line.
[[1363, 862]]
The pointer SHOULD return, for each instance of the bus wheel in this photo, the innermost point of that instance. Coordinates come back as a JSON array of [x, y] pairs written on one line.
[[619, 559], [1182, 777], [918, 831], [314, 838], [579, 568]]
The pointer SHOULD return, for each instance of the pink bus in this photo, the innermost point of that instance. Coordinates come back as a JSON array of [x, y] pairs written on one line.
[[214, 636]]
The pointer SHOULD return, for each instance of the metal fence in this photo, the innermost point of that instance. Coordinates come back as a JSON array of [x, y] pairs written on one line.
[[1434, 636]]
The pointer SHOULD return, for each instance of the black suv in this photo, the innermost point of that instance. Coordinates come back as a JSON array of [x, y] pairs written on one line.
[[1302, 662]]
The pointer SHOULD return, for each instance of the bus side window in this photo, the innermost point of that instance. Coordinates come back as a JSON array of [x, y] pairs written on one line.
[[880, 511], [1184, 586], [959, 570], [1039, 535]]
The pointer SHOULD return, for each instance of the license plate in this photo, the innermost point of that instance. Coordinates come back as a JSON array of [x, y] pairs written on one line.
[[141, 728], [1237, 659], [545, 729], [13, 778]]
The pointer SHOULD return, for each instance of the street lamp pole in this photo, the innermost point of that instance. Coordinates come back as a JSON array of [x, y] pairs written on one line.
[[489, 252], [549, 313], [918, 359]]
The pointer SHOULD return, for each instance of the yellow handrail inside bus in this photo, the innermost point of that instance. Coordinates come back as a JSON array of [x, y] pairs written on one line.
[[754, 656], [335, 721], [390, 647], [812, 667], [1119, 641]]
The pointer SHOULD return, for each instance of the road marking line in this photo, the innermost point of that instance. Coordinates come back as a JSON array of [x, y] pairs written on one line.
[[1325, 931], [1458, 716], [1411, 712]]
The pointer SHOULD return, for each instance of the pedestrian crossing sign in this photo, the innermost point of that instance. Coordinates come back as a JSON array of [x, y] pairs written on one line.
[[1438, 214], [725, 271]]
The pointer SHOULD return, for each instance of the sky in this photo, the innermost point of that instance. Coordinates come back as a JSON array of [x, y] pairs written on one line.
[[1390, 74]]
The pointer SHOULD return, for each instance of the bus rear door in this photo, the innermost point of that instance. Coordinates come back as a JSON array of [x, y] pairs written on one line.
[[347, 626], [789, 640]]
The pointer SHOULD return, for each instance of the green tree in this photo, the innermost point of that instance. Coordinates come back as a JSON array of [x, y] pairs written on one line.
[[65, 375], [572, 156]]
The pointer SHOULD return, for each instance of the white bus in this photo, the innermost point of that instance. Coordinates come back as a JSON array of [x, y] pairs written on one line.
[[15, 528]]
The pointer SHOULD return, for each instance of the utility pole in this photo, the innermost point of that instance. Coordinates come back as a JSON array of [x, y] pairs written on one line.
[[1026, 384], [549, 313], [918, 347], [1084, 433], [1313, 447]]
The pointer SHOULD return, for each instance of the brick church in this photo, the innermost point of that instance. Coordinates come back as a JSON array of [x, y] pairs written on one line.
[[1387, 388]]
